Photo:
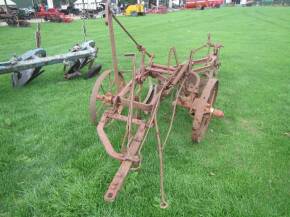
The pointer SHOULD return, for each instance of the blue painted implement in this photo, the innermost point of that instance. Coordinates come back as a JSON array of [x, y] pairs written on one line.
[[28, 66]]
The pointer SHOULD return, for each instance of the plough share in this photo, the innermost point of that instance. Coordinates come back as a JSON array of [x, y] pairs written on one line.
[[197, 88]]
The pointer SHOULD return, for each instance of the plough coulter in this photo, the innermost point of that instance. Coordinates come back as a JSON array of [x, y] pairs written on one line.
[[136, 104]]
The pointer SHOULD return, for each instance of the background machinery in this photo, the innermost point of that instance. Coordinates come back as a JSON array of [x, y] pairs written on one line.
[[135, 10]]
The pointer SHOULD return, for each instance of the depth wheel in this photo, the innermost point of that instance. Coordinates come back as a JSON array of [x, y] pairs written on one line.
[[104, 88]]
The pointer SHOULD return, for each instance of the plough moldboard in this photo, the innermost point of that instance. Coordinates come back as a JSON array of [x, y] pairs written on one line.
[[28, 66], [196, 90]]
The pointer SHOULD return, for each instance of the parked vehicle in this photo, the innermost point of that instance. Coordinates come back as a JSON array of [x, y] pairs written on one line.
[[69, 9], [157, 10], [135, 10], [202, 4], [13, 16], [99, 11], [27, 12], [53, 15]]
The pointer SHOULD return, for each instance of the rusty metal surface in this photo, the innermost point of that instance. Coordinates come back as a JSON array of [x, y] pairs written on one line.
[[197, 87]]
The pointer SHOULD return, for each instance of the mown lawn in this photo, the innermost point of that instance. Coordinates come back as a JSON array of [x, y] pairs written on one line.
[[53, 164]]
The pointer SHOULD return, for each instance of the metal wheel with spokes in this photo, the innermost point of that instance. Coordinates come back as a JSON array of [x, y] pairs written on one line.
[[103, 90]]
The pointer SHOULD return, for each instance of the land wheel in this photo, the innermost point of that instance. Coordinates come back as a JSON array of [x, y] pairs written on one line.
[[203, 113], [103, 90], [94, 71]]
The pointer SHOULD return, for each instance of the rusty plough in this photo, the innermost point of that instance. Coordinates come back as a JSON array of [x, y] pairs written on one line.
[[196, 90]]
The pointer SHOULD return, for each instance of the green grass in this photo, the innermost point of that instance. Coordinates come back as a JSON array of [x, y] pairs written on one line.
[[53, 164]]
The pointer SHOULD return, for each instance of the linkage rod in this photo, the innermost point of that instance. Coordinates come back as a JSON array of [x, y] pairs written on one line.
[[139, 46]]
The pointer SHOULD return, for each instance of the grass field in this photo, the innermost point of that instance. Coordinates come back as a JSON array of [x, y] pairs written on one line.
[[53, 164]]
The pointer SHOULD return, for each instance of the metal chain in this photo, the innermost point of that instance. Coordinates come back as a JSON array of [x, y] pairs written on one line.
[[163, 203], [128, 133], [173, 114], [84, 22]]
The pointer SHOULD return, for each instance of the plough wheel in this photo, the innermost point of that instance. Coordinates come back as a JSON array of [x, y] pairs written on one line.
[[74, 70], [103, 88], [94, 70], [203, 114]]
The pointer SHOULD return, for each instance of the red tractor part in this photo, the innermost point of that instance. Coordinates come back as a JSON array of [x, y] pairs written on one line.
[[202, 4], [53, 15], [157, 10]]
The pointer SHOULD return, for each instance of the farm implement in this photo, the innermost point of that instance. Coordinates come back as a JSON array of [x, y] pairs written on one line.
[[29, 65], [136, 104]]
